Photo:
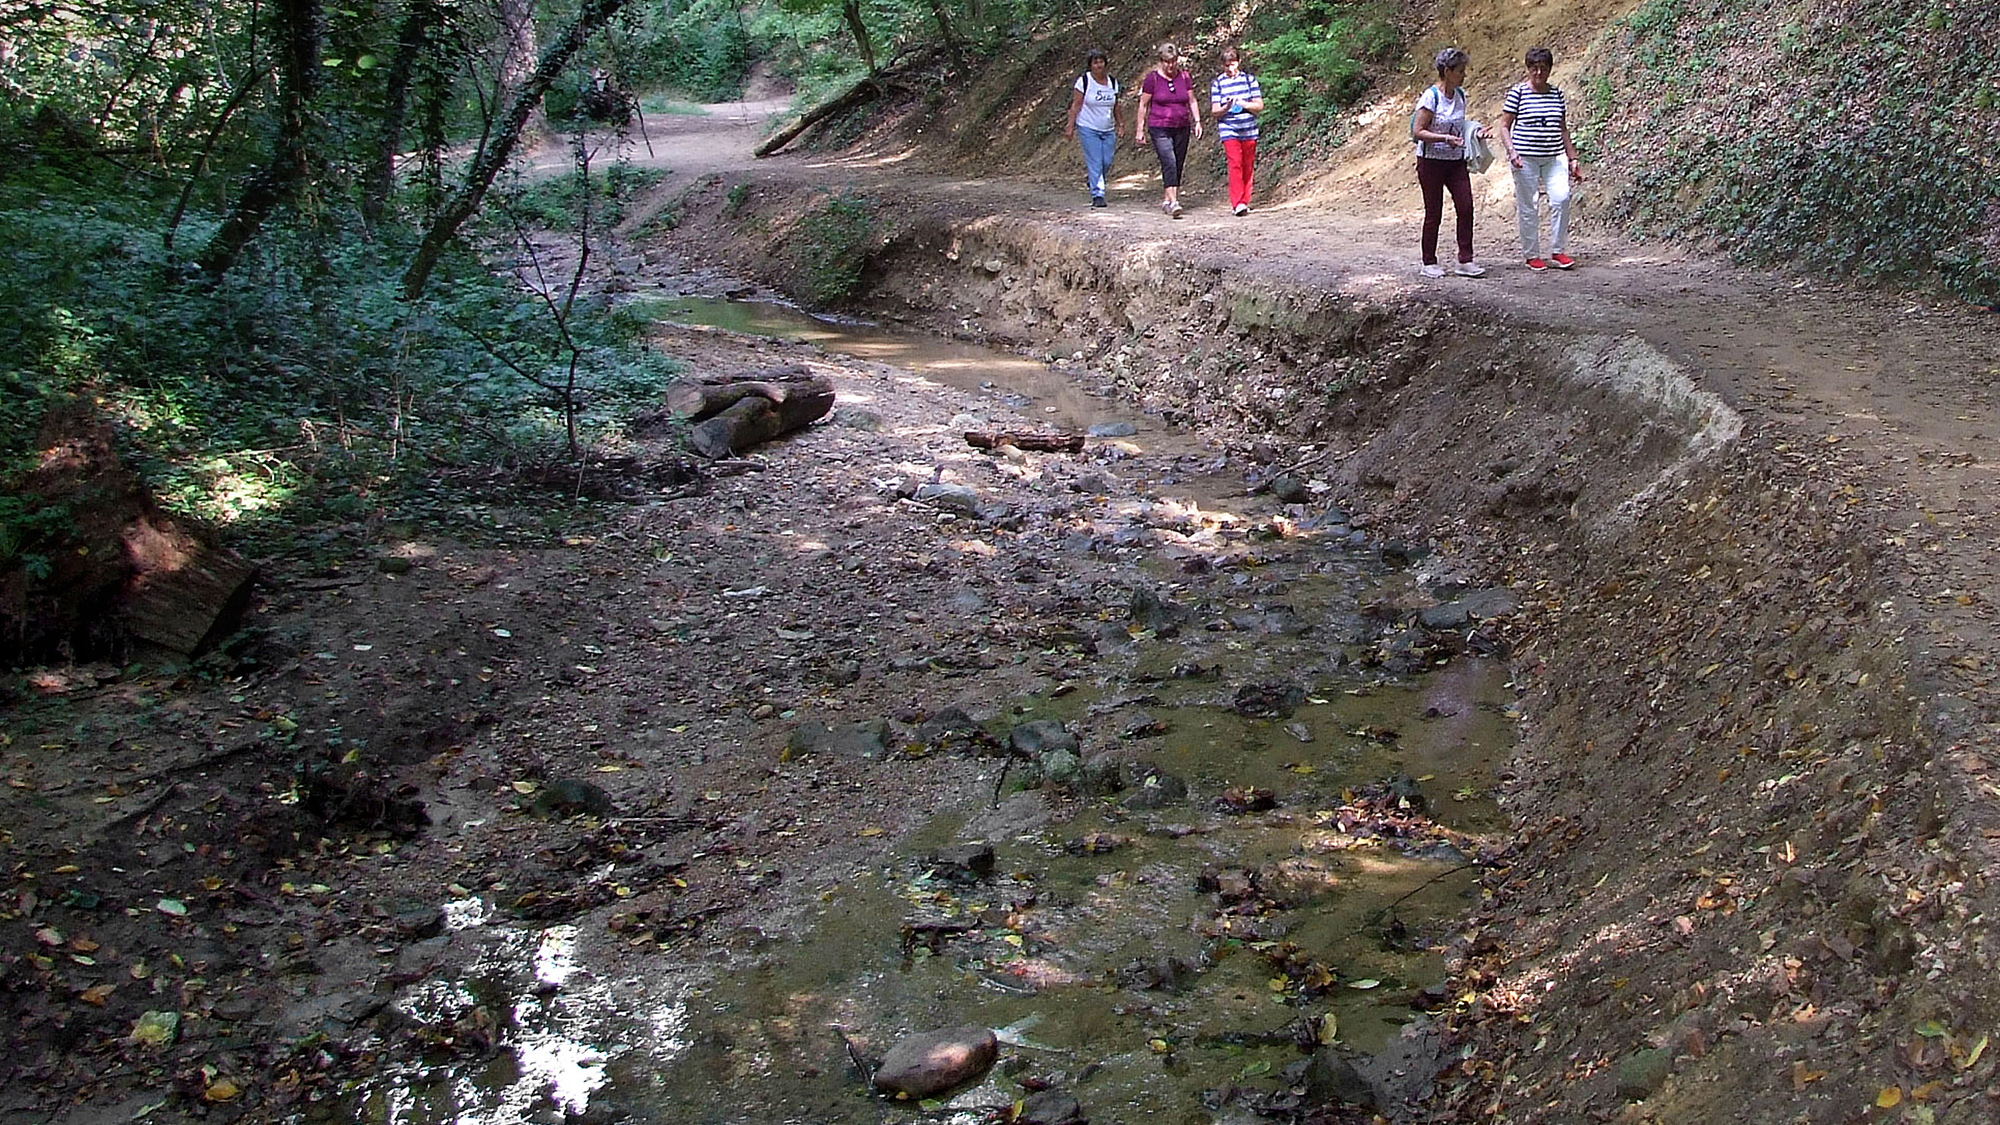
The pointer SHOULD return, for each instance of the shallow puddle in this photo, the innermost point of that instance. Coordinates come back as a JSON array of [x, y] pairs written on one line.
[[1019, 383], [1142, 958]]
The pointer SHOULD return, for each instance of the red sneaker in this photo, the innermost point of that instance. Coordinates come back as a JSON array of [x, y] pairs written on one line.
[[1562, 261], [1538, 265]]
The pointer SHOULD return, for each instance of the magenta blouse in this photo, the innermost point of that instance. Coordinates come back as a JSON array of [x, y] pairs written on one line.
[[1171, 97]]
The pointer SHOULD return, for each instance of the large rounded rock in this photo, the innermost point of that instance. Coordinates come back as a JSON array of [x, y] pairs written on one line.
[[930, 1062]]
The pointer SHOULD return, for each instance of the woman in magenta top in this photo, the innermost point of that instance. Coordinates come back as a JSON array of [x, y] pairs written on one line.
[[1169, 110]]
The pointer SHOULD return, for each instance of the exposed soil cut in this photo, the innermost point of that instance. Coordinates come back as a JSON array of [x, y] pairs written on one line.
[[1748, 520]]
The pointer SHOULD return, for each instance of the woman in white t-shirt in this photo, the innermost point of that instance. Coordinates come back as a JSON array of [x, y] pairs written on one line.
[[1095, 120], [1438, 127]]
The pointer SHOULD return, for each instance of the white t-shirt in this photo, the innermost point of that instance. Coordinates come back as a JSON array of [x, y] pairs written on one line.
[[1447, 116], [1097, 102]]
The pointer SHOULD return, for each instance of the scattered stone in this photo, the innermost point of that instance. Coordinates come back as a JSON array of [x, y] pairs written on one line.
[[1299, 731], [1268, 701], [1037, 738], [953, 729], [1096, 843], [931, 1062], [1143, 725], [861, 740], [1407, 794], [1399, 554], [1288, 489], [1050, 1107], [1446, 618], [949, 497], [1103, 775], [965, 863], [1061, 768], [864, 420], [1156, 614], [1331, 1077], [1157, 791], [1112, 429], [1642, 1072], [1165, 973], [1242, 800], [416, 918]]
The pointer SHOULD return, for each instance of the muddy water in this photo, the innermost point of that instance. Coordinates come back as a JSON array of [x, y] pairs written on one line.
[[1022, 383], [1141, 958]]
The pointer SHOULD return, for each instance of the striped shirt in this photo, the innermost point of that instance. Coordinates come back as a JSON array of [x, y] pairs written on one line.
[[1240, 87], [1538, 120]]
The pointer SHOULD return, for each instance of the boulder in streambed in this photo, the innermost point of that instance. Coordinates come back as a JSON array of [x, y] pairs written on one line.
[[931, 1062], [1051, 1107]]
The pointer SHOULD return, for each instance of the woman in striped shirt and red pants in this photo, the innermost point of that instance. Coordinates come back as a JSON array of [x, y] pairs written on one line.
[[1534, 126]]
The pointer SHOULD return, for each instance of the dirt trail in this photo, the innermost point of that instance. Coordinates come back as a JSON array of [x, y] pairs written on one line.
[[1908, 387]]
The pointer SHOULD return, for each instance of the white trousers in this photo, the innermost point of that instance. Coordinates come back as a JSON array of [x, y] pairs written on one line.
[[1536, 175]]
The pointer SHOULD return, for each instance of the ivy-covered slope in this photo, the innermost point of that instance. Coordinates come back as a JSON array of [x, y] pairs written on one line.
[[1859, 137]]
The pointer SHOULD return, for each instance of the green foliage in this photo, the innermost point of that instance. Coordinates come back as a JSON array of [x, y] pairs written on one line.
[[560, 202], [1876, 163], [832, 247], [705, 49], [1313, 62]]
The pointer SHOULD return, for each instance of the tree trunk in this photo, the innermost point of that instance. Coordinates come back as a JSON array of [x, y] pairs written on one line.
[[850, 10], [412, 41], [301, 24], [188, 607], [517, 67], [951, 42], [493, 157]]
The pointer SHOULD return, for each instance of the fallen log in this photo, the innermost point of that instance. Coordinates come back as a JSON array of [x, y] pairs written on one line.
[[701, 400], [1025, 440], [862, 92], [753, 419], [185, 606]]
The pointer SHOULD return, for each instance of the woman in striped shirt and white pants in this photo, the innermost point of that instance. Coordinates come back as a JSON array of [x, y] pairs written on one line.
[[1534, 126]]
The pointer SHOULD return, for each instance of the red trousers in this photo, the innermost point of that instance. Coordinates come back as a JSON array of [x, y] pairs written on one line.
[[1242, 168]]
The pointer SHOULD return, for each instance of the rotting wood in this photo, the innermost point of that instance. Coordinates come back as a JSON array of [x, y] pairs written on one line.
[[752, 419], [1025, 440], [706, 399], [182, 608]]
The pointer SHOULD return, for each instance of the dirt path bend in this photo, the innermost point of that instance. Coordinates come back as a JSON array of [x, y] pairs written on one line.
[[1907, 386], [1758, 800]]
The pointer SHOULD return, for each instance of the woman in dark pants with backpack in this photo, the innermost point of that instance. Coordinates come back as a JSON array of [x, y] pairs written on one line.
[[1438, 127]]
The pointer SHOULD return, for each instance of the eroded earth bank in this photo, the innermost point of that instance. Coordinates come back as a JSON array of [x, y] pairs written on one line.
[[1751, 809], [664, 792]]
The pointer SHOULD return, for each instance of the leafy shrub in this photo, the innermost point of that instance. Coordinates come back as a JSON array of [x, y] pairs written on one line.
[[1313, 62], [559, 202], [833, 245]]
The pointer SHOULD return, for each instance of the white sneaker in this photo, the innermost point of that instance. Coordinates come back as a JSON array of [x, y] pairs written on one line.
[[1433, 270], [1470, 269], [1243, 208]]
